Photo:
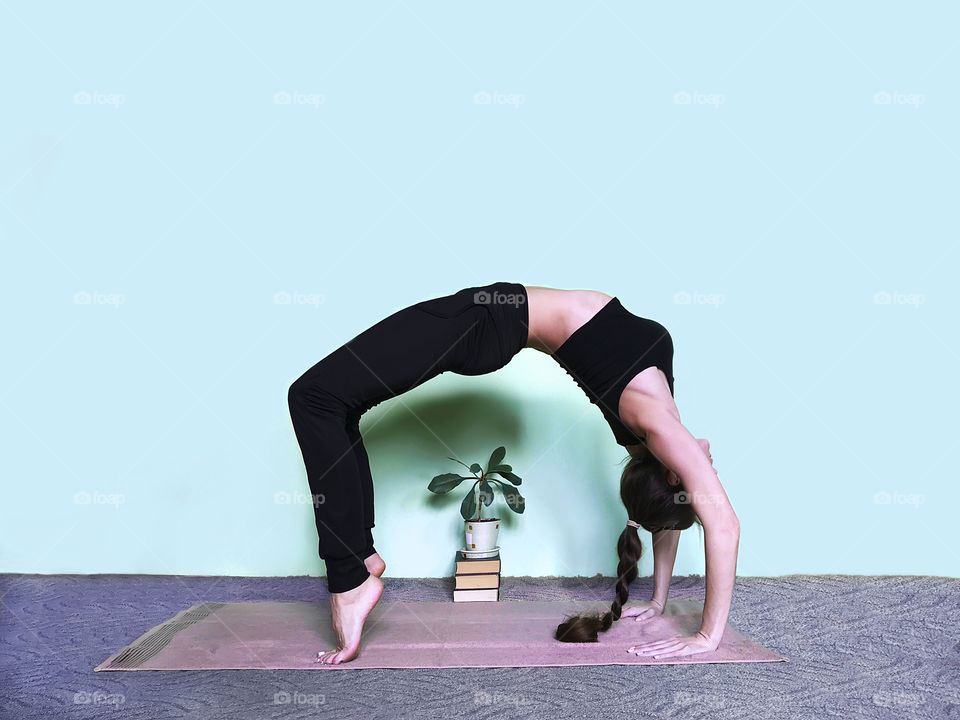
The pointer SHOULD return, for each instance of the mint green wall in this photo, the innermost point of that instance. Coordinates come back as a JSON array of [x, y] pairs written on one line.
[[165, 171]]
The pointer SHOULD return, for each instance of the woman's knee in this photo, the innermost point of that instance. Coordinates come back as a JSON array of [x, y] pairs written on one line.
[[314, 396]]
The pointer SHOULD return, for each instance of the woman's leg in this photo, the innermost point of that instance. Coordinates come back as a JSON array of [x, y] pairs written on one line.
[[334, 477], [470, 332], [398, 353], [366, 484], [467, 332]]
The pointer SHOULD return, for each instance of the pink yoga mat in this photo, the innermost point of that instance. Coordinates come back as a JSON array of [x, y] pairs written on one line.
[[508, 633]]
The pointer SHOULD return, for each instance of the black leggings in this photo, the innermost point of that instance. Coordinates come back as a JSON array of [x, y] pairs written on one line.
[[471, 332]]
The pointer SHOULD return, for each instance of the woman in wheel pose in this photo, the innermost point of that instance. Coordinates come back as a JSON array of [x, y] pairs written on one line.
[[622, 362]]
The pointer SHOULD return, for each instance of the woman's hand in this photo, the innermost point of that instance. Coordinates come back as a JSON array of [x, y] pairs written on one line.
[[675, 646], [643, 611]]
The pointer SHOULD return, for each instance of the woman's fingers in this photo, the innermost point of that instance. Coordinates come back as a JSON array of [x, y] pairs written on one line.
[[644, 647], [676, 646], [641, 612], [659, 651], [671, 652]]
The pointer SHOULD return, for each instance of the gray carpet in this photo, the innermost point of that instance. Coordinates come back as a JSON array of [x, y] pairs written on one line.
[[859, 647]]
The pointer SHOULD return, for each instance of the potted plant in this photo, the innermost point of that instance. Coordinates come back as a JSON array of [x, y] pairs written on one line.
[[481, 533]]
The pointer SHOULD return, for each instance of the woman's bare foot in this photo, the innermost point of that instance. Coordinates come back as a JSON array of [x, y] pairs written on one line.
[[375, 564], [349, 610]]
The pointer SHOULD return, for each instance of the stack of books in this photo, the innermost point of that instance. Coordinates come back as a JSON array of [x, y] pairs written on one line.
[[478, 576]]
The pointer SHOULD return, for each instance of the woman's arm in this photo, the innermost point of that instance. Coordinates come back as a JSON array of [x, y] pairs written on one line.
[[677, 449], [665, 542], [665, 545], [664, 554]]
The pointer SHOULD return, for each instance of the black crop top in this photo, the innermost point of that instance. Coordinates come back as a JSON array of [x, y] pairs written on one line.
[[604, 354]]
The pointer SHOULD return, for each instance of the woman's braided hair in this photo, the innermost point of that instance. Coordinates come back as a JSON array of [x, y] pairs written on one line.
[[652, 503]]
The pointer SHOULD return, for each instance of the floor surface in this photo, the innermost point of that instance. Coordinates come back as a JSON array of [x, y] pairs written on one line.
[[859, 647]]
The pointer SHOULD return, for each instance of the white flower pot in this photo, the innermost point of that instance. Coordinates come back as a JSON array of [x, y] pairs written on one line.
[[481, 534]]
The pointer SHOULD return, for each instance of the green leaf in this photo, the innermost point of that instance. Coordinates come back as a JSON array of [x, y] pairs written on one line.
[[497, 456], [475, 468], [469, 505], [445, 483], [486, 493], [515, 479], [515, 501], [501, 466]]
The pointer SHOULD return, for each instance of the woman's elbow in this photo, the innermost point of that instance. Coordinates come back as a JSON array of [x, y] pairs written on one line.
[[728, 524], [732, 524]]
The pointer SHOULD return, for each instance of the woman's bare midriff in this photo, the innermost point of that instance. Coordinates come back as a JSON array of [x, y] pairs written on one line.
[[553, 316]]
